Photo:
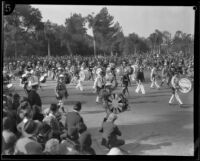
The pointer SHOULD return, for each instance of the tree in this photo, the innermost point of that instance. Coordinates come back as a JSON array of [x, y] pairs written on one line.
[[23, 21], [105, 31], [74, 34]]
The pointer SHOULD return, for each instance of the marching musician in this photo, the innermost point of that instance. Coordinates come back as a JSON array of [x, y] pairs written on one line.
[[154, 76], [99, 84], [125, 81], [79, 80], [91, 66], [175, 87], [139, 80], [61, 90], [164, 74]]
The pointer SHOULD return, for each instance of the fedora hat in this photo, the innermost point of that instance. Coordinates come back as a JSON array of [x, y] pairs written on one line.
[[30, 128], [115, 151]]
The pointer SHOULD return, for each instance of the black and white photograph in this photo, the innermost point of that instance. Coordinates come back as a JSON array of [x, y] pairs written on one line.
[[98, 80]]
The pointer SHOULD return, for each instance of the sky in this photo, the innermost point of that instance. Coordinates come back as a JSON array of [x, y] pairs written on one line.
[[142, 20]]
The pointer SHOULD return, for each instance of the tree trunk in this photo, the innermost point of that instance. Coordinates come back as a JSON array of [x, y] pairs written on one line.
[[5, 48], [15, 49], [69, 49], [49, 49], [94, 43]]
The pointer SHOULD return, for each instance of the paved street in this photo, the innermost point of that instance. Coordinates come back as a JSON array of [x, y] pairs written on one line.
[[151, 127]]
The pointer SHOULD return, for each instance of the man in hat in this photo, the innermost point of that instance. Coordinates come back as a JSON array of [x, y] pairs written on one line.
[[61, 90], [125, 81], [139, 80], [73, 118], [85, 141], [99, 84], [154, 76], [175, 88], [33, 96], [28, 144], [164, 74], [110, 132], [8, 136]]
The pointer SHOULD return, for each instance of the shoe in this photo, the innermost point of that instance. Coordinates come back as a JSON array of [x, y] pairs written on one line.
[[170, 104]]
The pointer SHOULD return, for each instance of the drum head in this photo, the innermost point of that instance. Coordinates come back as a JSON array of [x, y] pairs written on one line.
[[9, 85], [185, 85]]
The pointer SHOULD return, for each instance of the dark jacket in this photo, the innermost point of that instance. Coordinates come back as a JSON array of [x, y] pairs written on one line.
[[73, 119], [85, 141], [34, 98], [110, 131]]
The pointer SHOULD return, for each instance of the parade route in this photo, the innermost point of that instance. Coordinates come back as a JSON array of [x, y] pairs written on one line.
[[150, 127]]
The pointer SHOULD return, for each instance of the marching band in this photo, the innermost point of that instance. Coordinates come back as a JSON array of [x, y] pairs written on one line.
[[105, 74]]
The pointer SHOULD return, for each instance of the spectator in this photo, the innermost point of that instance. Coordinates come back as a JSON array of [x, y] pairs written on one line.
[[110, 133], [28, 144], [44, 134], [16, 101], [53, 122], [52, 147], [9, 138], [24, 110], [37, 115], [68, 147], [85, 141], [73, 119]]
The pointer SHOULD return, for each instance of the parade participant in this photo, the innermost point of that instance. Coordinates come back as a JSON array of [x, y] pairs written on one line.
[[33, 96], [91, 66], [170, 72], [175, 87], [110, 132], [125, 81], [61, 90], [154, 76], [80, 79], [140, 79], [164, 74], [99, 84]]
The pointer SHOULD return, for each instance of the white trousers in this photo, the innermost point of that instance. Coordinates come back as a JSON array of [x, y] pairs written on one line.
[[79, 85], [154, 83], [177, 98], [140, 87]]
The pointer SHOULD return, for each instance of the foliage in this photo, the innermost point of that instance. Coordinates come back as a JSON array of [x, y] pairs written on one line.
[[26, 34]]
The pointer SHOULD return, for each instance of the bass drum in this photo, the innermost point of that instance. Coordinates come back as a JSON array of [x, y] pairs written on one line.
[[84, 75], [117, 103], [185, 85]]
